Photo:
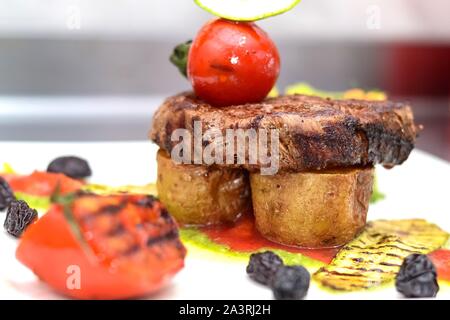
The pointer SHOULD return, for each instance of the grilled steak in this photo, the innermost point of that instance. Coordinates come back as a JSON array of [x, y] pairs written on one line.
[[314, 133]]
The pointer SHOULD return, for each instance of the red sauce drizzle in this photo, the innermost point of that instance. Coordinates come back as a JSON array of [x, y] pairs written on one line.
[[242, 236]]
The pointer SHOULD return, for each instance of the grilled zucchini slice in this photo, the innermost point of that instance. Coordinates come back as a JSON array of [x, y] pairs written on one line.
[[375, 257]]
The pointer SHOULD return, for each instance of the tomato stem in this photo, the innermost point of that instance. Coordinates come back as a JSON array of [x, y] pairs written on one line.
[[179, 56]]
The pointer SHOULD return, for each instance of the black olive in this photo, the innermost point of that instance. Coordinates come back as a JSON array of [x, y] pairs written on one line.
[[263, 265], [18, 217], [6, 194], [417, 277], [290, 283], [71, 166]]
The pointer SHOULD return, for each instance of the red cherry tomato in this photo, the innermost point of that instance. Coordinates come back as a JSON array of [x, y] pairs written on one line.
[[232, 63]]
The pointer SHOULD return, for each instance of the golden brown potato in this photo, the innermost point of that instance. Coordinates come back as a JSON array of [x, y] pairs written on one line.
[[202, 195], [312, 209]]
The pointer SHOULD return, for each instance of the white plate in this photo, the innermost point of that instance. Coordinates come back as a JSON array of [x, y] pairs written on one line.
[[420, 188]]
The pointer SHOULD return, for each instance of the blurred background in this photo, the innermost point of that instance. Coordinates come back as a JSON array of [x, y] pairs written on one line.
[[97, 69]]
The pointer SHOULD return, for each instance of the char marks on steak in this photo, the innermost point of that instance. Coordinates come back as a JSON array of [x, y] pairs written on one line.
[[315, 133]]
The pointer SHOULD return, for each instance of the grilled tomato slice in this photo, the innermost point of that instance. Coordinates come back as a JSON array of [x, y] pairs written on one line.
[[43, 183], [104, 247]]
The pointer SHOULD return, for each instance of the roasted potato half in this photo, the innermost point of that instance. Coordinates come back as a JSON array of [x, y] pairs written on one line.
[[200, 194], [312, 209]]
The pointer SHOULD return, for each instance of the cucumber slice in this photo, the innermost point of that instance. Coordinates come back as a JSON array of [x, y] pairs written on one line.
[[246, 10]]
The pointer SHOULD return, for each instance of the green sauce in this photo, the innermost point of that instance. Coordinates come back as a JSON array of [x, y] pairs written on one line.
[[39, 203]]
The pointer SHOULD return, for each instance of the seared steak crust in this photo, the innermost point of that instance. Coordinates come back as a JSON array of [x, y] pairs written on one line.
[[315, 133]]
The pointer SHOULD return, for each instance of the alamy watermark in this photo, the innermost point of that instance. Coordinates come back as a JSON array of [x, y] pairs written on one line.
[[233, 146], [73, 17], [73, 281], [373, 21]]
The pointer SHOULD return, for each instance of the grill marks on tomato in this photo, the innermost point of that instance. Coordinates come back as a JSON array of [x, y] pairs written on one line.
[[171, 235], [112, 209], [221, 67], [147, 202], [127, 227], [118, 230]]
